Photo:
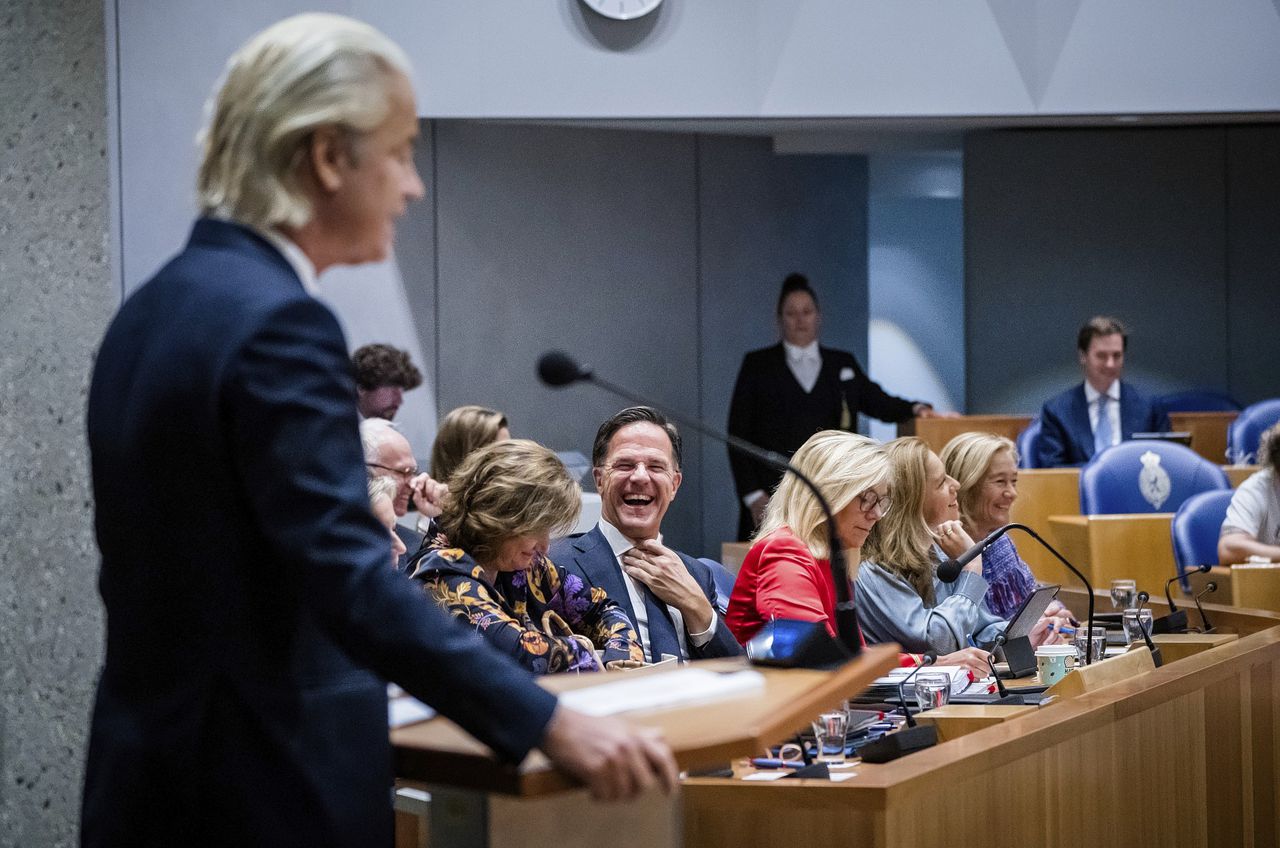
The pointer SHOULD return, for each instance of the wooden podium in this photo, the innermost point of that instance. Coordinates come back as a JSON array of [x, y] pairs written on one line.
[[482, 801], [936, 432]]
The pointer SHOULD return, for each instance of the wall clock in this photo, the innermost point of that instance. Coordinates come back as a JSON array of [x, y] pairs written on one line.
[[622, 10]]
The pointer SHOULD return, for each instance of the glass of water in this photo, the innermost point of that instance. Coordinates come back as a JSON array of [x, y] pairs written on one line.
[[933, 689], [1088, 642], [1124, 593], [829, 732], [1135, 621]]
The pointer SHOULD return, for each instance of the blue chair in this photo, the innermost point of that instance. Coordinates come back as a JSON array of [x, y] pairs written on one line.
[[1196, 526], [1198, 400], [724, 583], [1029, 444], [1145, 476], [1246, 431]]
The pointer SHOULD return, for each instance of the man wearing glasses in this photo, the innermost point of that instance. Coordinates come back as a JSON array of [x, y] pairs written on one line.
[[387, 454], [670, 597]]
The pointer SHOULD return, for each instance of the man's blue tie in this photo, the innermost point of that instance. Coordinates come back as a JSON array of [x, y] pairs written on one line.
[[1102, 432], [662, 630]]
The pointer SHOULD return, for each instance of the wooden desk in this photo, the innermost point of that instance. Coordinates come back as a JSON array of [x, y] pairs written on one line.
[[1237, 474], [477, 800], [1179, 646], [1256, 586], [1096, 769], [936, 432], [1110, 547], [1043, 492], [1208, 431]]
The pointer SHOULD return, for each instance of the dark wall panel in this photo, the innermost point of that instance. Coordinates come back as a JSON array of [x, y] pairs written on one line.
[[1060, 225], [763, 216], [1253, 262]]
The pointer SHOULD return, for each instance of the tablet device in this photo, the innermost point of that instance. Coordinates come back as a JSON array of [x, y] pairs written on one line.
[[1029, 613]]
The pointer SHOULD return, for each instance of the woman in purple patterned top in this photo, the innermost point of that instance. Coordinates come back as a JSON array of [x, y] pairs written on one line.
[[986, 466]]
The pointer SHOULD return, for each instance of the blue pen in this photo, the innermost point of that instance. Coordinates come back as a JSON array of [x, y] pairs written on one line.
[[774, 763]]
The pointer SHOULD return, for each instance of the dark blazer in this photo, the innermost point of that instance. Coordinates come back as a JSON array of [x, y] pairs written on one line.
[[589, 556], [1066, 437], [242, 700], [770, 409]]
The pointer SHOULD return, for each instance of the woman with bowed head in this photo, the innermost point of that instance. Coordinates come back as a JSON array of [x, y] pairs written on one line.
[[505, 501]]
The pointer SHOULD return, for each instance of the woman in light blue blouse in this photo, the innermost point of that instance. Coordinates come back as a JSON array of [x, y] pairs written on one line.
[[900, 599]]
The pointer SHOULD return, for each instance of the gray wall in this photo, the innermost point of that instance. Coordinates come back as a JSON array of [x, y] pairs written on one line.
[[654, 257], [1172, 230], [55, 300]]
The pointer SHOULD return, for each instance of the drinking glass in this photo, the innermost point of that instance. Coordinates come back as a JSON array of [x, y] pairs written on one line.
[[1133, 620], [1123, 593], [933, 689], [1083, 640], [829, 732]]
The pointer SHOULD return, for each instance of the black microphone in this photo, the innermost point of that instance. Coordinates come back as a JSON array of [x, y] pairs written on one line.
[[813, 648], [557, 368], [1176, 620], [949, 570], [904, 740], [1204, 622], [1006, 697], [1143, 597]]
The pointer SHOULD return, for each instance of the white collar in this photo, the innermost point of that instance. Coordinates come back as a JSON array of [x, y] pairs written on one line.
[[800, 354], [298, 261], [618, 542], [1091, 394]]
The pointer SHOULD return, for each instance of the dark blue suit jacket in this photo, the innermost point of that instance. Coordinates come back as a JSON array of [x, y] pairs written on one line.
[[1066, 437], [589, 556], [242, 700]]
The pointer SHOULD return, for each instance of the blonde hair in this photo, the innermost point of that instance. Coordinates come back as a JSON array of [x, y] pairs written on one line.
[[508, 489], [968, 458], [296, 76], [463, 430], [901, 542], [843, 465]]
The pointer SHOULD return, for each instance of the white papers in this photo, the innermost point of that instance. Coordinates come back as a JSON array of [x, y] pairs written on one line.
[[887, 686], [407, 710], [663, 691]]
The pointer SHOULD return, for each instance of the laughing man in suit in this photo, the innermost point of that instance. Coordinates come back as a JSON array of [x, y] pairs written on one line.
[[669, 596], [1103, 410], [786, 393]]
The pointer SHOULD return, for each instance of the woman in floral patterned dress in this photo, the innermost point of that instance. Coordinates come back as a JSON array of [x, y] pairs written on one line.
[[505, 502]]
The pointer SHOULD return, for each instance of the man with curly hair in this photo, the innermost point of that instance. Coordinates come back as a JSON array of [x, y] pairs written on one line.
[[383, 374]]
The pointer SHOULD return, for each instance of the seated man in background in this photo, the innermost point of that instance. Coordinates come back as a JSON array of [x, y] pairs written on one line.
[[1252, 526], [387, 454], [1103, 410], [669, 596], [383, 375]]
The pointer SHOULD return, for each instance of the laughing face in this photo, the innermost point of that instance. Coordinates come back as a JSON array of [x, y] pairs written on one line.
[[940, 493], [637, 480]]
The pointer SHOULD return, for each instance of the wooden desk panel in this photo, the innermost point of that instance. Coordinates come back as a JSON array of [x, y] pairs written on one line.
[[1111, 547], [936, 432], [1237, 474], [1043, 492], [1256, 586], [1208, 432], [1077, 772]]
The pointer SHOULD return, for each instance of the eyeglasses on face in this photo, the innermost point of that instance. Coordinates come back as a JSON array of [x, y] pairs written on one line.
[[869, 501], [406, 473]]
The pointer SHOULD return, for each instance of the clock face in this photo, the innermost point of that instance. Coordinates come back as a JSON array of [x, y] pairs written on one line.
[[623, 10]]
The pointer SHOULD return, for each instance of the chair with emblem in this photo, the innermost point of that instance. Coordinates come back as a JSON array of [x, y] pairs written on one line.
[[1246, 431], [1144, 476], [1196, 527]]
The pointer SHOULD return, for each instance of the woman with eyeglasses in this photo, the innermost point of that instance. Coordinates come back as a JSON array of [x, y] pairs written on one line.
[[899, 596], [787, 572], [504, 503]]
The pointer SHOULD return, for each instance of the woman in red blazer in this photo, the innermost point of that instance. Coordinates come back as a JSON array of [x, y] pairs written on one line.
[[787, 572]]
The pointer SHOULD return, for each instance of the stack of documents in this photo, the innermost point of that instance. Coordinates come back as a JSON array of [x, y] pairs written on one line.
[[886, 687]]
